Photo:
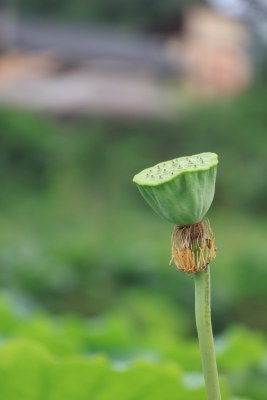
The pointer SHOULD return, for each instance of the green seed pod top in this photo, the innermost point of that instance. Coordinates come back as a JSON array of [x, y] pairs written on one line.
[[180, 190]]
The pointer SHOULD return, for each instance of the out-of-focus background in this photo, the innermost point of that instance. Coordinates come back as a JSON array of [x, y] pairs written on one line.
[[90, 94]]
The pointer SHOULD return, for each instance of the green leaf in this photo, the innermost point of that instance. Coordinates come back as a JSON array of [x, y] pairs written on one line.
[[77, 378], [24, 371], [52, 334], [239, 349], [29, 372]]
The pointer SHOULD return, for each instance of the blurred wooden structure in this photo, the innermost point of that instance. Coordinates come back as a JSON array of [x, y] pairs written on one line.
[[216, 53], [7, 25], [57, 68], [79, 91], [61, 69]]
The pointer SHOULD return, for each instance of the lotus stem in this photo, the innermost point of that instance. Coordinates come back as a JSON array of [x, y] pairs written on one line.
[[205, 335]]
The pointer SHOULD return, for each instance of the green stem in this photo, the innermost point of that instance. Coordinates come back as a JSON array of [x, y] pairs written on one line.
[[205, 336]]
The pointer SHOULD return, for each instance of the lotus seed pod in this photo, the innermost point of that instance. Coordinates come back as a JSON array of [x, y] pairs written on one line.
[[180, 190]]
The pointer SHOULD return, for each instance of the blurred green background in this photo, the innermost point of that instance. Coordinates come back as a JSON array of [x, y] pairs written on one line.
[[76, 233], [76, 237], [88, 301]]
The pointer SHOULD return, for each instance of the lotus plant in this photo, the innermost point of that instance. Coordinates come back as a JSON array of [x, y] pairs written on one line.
[[181, 191]]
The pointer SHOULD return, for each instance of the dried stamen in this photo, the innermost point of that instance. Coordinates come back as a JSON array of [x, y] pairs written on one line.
[[193, 247]]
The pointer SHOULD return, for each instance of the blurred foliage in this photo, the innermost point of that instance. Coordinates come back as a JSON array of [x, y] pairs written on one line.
[[139, 14], [59, 357], [38, 374], [76, 236], [75, 232]]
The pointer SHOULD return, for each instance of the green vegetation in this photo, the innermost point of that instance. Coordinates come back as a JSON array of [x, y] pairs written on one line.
[[70, 221], [120, 354], [70, 215]]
